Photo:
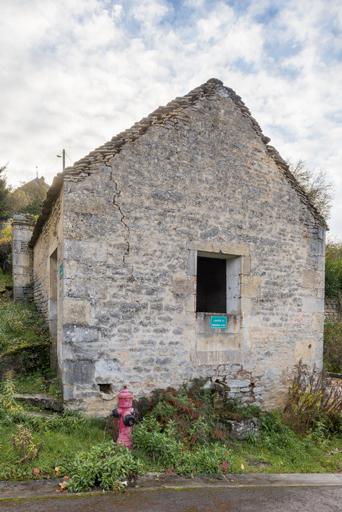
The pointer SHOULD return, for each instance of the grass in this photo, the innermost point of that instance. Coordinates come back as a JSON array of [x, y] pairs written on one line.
[[276, 450], [38, 382], [61, 444], [20, 324], [279, 450]]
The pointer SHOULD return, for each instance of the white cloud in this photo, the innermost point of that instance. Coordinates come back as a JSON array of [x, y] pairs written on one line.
[[74, 73]]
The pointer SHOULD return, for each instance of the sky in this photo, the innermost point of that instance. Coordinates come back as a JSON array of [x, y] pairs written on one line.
[[74, 73]]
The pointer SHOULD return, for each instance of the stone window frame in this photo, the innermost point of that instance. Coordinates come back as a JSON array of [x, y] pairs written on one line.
[[223, 250]]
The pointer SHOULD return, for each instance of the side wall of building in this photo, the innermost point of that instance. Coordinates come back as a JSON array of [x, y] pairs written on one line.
[[201, 183], [48, 283]]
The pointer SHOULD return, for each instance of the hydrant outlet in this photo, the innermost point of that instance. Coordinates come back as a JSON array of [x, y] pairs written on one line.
[[129, 420]]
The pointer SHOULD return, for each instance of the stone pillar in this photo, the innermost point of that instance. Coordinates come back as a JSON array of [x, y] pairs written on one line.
[[22, 257]]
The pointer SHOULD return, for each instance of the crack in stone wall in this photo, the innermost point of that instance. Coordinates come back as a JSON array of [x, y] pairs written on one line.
[[123, 216]]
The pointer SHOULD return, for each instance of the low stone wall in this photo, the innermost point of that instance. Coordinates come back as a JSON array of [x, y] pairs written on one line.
[[332, 310]]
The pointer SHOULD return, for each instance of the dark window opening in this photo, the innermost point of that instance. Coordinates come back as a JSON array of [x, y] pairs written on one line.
[[211, 285], [105, 388]]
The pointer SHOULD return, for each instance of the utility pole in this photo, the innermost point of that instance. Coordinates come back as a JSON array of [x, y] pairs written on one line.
[[63, 157]]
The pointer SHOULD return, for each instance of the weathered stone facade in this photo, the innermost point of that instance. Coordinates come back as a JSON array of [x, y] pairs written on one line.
[[22, 257], [129, 221]]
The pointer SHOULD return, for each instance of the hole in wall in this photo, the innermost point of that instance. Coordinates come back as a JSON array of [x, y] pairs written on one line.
[[310, 345], [105, 388]]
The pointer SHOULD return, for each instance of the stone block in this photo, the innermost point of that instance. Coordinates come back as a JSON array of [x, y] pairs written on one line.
[[78, 372], [95, 252], [239, 383], [250, 286], [184, 285], [313, 279], [80, 333], [76, 311], [245, 265]]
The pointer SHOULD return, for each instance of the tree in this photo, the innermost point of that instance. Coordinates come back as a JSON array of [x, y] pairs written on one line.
[[29, 197], [319, 190], [6, 246], [3, 193]]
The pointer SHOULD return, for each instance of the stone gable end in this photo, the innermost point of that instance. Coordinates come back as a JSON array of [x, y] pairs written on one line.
[[119, 275]]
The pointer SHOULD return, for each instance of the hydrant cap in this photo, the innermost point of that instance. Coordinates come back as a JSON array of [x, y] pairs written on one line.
[[125, 394]]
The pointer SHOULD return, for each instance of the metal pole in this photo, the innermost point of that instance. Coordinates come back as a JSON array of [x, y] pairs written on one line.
[[63, 160]]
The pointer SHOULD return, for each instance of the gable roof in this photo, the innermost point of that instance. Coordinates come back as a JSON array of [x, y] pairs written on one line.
[[102, 155]]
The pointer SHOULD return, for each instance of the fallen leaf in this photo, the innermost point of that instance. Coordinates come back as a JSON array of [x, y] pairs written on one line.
[[57, 469], [66, 477], [242, 466], [63, 485], [57, 490], [36, 471]]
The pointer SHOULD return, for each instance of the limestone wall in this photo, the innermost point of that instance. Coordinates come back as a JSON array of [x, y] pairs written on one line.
[[22, 257], [48, 287], [201, 182]]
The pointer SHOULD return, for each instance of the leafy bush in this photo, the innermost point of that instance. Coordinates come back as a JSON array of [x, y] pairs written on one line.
[[191, 410], [105, 464], [162, 446], [332, 348], [333, 278]]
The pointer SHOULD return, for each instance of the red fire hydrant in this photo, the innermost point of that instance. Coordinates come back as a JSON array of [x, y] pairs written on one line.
[[127, 414]]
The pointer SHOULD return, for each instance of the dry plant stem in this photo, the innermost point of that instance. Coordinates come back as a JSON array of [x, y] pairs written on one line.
[[311, 394]]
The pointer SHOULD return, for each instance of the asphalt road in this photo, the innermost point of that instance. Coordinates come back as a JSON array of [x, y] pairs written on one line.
[[252, 499]]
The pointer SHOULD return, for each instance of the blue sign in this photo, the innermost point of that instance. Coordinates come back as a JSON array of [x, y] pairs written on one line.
[[218, 322], [61, 271]]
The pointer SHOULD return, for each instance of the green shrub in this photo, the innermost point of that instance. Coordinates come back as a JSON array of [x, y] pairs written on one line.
[[332, 348], [333, 277], [163, 447], [187, 407], [105, 464]]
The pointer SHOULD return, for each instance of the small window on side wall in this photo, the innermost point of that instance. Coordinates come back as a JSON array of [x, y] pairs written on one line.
[[218, 284]]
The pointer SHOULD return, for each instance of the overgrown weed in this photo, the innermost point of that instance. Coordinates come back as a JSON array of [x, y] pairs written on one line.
[[313, 401]]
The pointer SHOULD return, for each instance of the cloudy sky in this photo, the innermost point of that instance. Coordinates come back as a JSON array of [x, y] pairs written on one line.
[[76, 72]]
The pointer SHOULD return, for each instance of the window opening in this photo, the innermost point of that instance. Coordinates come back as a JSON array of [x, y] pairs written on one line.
[[211, 285]]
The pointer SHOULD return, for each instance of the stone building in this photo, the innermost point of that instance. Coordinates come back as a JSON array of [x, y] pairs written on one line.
[[182, 247]]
